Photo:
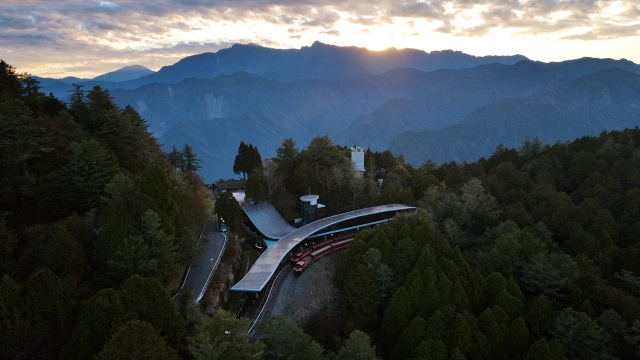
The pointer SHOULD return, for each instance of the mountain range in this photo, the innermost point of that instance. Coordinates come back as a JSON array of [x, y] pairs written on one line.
[[445, 105]]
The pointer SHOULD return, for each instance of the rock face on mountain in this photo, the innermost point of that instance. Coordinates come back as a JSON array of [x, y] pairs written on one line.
[[442, 105]]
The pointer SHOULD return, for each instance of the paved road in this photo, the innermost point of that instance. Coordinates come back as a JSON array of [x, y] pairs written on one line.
[[199, 275]]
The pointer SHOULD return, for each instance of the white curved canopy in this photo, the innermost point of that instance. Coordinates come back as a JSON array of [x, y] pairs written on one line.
[[263, 269]]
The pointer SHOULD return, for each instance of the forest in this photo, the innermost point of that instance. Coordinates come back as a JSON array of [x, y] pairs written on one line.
[[529, 253], [96, 221]]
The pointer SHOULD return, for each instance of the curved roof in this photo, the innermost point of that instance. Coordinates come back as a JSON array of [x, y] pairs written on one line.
[[267, 219], [263, 269]]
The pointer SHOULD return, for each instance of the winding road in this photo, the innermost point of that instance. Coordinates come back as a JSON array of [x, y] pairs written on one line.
[[199, 275]]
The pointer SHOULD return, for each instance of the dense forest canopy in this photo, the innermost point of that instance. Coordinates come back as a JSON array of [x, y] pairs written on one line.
[[529, 253], [88, 204]]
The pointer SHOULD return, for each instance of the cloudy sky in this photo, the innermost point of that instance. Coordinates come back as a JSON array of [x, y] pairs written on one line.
[[86, 38]]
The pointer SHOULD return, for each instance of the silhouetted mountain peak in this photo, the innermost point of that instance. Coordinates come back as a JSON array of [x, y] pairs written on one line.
[[589, 65], [317, 44], [124, 74], [236, 46]]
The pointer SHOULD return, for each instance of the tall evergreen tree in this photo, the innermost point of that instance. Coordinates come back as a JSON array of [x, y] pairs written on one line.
[[580, 336], [255, 189], [411, 337], [190, 162], [22, 137], [287, 154], [396, 316], [137, 340], [360, 299], [431, 349], [247, 159], [357, 346], [176, 158], [10, 86], [14, 323], [240, 162], [283, 339], [80, 184], [223, 337]]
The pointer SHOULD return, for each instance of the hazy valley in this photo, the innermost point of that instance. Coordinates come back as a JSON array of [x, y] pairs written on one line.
[[445, 106]]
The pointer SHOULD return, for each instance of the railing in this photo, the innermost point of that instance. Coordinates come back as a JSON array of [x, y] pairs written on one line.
[[213, 269], [266, 301]]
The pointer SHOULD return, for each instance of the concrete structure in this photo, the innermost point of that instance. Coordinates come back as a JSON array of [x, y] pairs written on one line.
[[264, 268], [357, 159], [309, 208]]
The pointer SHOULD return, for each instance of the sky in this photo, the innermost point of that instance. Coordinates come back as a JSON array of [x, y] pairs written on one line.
[[86, 38]]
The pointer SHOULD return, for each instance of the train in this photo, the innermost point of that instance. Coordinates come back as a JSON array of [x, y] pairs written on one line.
[[326, 241], [304, 258]]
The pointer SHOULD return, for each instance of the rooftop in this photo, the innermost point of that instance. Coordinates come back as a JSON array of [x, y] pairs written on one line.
[[232, 184], [267, 219], [263, 269]]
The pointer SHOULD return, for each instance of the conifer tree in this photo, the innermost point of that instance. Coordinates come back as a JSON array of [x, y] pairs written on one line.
[[283, 339], [223, 337], [404, 256], [357, 346], [361, 301], [190, 162], [247, 159], [397, 315], [14, 322], [162, 247], [430, 300], [542, 350], [176, 158], [255, 189], [459, 297], [462, 335], [518, 338], [431, 349], [457, 354], [137, 340], [411, 337], [10, 86], [414, 285], [22, 137], [437, 326], [445, 286]]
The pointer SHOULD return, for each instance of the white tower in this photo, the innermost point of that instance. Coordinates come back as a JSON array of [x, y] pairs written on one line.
[[357, 159]]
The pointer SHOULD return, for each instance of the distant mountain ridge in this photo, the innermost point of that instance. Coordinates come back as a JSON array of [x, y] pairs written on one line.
[[61, 87], [606, 100], [318, 61], [466, 90], [126, 73], [443, 105], [404, 110]]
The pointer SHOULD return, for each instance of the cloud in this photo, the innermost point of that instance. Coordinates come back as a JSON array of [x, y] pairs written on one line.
[[131, 30]]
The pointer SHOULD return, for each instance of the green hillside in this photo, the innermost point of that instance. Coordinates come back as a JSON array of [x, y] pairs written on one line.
[[529, 253], [94, 223]]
